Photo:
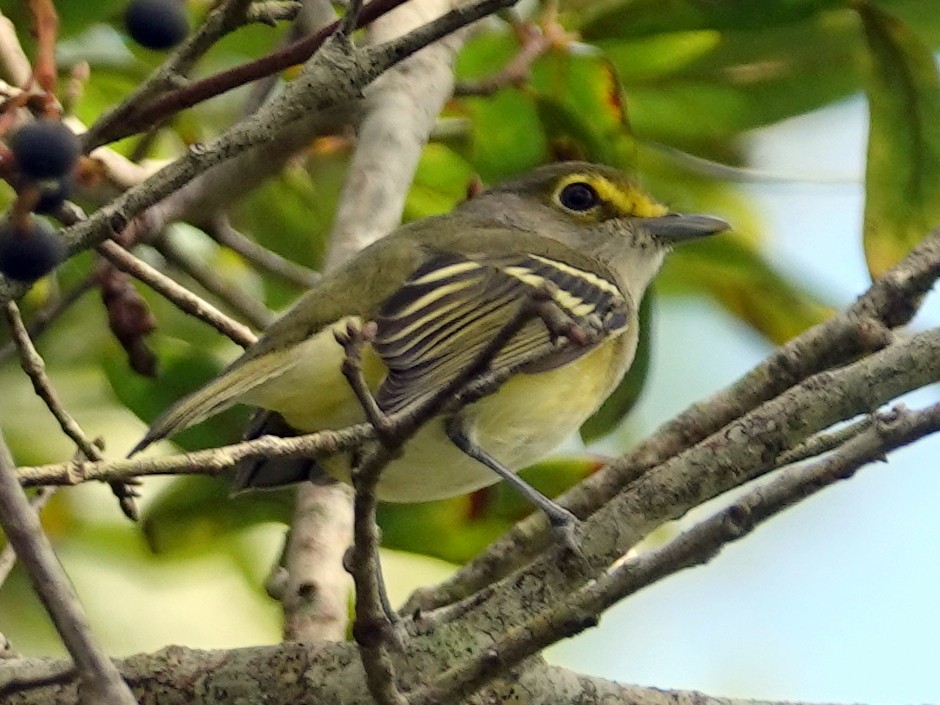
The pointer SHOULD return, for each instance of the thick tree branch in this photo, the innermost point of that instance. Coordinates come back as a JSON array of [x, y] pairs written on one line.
[[311, 674], [692, 548], [740, 452]]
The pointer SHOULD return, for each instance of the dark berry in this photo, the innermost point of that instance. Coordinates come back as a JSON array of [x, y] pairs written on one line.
[[45, 149], [52, 194], [29, 251], [156, 24]]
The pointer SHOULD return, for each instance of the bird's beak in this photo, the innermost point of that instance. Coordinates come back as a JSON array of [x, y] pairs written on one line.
[[674, 228]]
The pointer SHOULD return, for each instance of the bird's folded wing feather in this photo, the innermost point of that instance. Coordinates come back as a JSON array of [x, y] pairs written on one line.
[[441, 320]]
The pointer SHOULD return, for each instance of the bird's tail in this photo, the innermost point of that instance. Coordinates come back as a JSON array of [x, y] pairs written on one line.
[[217, 396], [268, 473]]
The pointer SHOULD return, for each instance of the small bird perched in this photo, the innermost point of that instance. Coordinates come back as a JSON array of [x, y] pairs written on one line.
[[434, 294]]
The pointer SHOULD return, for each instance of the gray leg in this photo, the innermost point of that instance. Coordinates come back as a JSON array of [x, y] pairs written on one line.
[[560, 518]]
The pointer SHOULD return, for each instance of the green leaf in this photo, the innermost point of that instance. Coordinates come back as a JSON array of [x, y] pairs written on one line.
[[192, 513], [637, 18], [902, 189], [440, 183], [627, 393], [698, 89], [506, 135], [582, 107]]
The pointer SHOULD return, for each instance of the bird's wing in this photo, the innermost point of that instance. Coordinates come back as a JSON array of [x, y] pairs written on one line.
[[440, 321], [379, 269]]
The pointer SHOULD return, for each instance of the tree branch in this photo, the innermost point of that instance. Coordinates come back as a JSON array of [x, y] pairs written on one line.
[[176, 294], [311, 674], [697, 546], [890, 302], [35, 367], [214, 461], [101, 684]]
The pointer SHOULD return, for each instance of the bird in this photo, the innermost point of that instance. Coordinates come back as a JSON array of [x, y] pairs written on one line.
[[433, 294]]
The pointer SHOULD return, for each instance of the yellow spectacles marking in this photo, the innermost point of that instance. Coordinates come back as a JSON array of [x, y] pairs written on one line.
[[629, 200]]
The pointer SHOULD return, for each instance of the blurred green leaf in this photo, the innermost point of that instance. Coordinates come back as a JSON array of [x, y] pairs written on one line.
[[582, 107], [902, 190], [699, 89], [193, 513], [440, 183], [506, 135], [636, 18]]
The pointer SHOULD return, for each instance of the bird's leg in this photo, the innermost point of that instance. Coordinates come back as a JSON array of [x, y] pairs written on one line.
[[564, 524], [560, 324]]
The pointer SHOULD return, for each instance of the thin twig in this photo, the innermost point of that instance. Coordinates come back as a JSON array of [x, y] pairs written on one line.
[[215, 461], [261, 257], [45, 27], [221, 20], [253, 311], [176, 294], [824, 442], [46, 316], [136, 114], [35, 367], [101, 682], [535, 41], [8, 556]]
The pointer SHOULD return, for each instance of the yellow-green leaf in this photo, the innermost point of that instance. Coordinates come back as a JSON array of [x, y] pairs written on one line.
[[902, 184]]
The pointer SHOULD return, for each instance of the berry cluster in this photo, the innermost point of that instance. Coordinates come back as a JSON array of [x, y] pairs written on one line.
[[45, 153]]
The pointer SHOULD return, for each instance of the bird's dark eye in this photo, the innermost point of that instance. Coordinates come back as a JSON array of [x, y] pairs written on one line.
[[578, 196]]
